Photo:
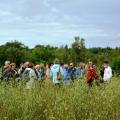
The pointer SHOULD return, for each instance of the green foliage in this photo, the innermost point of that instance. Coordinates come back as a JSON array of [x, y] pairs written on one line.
[[69, 102], [42, 54], [13, 51], [79, 50], [116, 65], [16, 44]]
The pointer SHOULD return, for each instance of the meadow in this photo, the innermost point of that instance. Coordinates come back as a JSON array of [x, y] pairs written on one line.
[[68, 102]]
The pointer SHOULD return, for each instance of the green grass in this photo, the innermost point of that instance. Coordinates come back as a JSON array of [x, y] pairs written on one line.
[[69, 102]]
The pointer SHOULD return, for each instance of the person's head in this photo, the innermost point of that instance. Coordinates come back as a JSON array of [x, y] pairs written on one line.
[[82, 65], [94, 66], [13, 65], [31, 65], [26, 64], [65, 65], [51, 64], [71, 65], [7, 63], [22, 65], [37, 67], [41, 65], [48, 66], [90, 63], [56, 61], [62, 64], [106, 64]]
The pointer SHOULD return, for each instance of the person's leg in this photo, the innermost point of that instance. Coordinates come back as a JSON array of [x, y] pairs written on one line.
[[97, 82], [90, 82]]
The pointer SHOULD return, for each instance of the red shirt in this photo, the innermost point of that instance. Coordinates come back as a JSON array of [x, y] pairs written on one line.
[[91, 73]]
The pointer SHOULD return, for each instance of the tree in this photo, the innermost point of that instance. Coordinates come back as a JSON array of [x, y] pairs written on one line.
[[16, 44], [79, 49], [116, 65], [13, 51], [42, 54]]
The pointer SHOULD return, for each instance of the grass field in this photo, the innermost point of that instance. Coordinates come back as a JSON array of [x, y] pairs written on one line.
[[69, 102]]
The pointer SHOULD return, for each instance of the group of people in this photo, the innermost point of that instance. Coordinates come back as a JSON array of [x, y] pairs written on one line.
[[56, 72], [104, 75]]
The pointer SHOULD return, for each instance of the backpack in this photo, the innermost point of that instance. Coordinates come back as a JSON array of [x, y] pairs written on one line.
[[26, 75], [59, 75]]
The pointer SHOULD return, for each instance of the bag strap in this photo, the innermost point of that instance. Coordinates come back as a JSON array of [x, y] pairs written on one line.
[[59, 70]]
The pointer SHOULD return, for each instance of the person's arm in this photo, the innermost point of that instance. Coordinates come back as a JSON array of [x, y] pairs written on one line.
[[61, 71], [110, 73], [51, 74]]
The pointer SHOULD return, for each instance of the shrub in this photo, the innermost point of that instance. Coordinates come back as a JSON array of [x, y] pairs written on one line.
[[116, 65]]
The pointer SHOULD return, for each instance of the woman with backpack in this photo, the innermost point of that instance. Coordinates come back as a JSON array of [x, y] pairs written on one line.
[[56, 72], [32, 76]]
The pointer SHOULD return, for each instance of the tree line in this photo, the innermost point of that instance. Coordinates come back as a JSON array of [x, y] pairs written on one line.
[[17, 52]]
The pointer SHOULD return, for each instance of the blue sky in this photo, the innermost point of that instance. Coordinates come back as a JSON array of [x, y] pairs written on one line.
[[56, 22]]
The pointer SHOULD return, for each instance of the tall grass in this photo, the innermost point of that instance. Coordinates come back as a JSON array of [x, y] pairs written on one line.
[[68, 102]]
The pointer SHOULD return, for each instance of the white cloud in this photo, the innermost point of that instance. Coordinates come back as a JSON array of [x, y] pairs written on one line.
[[48, 20]]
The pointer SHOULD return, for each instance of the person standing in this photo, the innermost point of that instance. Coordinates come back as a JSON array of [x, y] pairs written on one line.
[[21, 69], [102, 73], [82, 70], [107, 72], [47, 72], [72, 71], [91, 74], [42, 72], [32, 76], [66, 74], [6, 71], [14, 73], [56, 72]]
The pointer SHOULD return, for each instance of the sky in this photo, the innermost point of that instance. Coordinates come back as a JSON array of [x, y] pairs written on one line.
[[57, 22]]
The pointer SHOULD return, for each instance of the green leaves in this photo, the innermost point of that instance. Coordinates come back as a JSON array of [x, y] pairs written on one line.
[[116, 65]]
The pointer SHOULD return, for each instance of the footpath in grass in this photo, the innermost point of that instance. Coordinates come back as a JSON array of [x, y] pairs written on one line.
[[68, 102]]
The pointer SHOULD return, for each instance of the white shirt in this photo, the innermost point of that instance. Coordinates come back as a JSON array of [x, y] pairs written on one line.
[[107, 74]]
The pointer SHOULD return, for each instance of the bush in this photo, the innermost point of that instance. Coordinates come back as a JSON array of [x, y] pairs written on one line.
[[116, 66]]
